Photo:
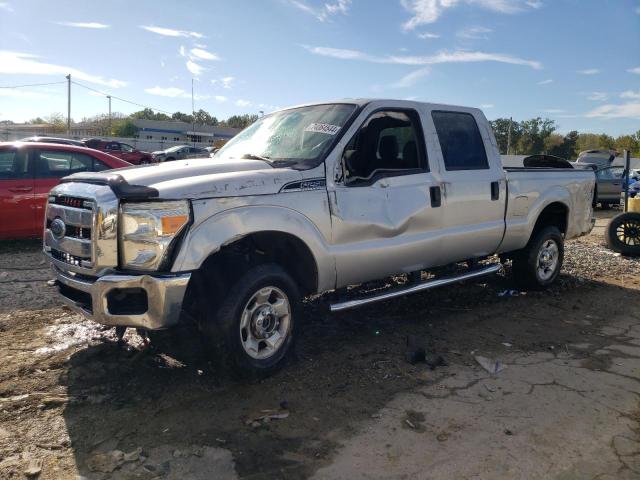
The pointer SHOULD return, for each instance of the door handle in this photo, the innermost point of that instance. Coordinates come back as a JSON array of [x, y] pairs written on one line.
[[495, 190], [20, 189], [436, 196]]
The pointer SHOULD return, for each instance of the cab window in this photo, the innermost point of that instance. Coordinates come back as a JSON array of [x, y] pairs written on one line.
[[389, 143], [460, 141]]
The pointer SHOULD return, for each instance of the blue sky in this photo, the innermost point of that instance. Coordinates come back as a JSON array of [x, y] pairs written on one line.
[[575, 61]]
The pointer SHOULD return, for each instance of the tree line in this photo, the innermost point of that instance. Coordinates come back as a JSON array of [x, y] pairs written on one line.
[[538, 135], [120, 125]]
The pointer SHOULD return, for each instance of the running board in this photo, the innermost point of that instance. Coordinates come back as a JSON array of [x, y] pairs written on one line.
[[427, 285]]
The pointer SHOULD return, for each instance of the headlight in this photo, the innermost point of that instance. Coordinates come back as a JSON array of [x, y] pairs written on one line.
[[147, 231]]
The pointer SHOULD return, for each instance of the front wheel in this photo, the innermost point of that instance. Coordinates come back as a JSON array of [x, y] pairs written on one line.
[[251, 330], [538, 265]]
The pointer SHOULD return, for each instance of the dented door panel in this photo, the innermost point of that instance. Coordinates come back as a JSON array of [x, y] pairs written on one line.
[[386, 228]]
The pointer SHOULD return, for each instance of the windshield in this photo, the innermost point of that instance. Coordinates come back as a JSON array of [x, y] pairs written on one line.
[[174, 149], [299, 137]]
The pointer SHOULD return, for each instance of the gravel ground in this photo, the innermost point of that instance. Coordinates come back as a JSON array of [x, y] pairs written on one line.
[[75, 402]]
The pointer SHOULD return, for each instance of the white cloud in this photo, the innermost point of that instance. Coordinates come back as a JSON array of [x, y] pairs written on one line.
[[631, 94], [428, 11], [170, 32], [6, 7], [411, 79], [589, 71], [174, 92], [203, 54], [554, 110], [459, 56], [324, 12], [545, 82], [487, 105], [428, 35], [597, 96], [227, 82], [627, 110], [94, 25], [182, 51], [536, 4], [220, 98], [474, 33], [27, 64], [195, 68], [634, 70], [243, 103]]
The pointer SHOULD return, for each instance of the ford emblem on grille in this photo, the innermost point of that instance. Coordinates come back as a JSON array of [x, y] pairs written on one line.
[[58, 228]]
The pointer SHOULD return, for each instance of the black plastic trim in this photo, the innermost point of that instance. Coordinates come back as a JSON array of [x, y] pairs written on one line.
[[119, 186]]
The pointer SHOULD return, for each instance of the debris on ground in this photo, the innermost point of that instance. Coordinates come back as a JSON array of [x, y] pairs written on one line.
[[490, 365], [34, 468], [107, 462], [511, 293], [266, 417]]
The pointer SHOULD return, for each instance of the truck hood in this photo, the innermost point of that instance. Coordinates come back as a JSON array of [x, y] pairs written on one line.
[[196, 178]]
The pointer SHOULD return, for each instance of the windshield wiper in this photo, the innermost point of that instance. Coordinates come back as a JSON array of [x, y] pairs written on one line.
[[251, 156]]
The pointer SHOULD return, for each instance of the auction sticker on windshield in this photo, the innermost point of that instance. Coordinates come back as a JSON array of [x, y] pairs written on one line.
[[323, 128]]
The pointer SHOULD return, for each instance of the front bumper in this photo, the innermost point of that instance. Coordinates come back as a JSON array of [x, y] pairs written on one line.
[[141, 301]]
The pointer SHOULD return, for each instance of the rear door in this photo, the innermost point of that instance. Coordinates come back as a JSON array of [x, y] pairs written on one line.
[[473, 185], [16, 193]]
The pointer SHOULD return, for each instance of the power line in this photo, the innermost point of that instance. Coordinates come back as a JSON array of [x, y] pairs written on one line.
[[119, 98], [32, 85]]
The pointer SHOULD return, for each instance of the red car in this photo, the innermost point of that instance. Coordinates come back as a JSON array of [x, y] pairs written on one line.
[[121, 150], [29, 170]]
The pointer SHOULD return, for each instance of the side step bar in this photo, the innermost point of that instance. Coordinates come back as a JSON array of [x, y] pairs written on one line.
[[427, 285]]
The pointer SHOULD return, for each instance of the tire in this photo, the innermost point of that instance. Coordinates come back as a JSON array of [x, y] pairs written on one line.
[[170, 159], [623, 234], [538, 265], [239, 332]]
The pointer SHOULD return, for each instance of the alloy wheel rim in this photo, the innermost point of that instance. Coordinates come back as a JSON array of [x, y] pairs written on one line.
[[628, 232], [265, 323], [547, 261]]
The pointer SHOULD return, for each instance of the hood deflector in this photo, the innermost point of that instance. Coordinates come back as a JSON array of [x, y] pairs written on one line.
[[120, 187]]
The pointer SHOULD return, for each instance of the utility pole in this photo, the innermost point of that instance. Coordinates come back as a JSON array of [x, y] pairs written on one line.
[[193, 116], [69, 105], [109, 97], [509, 135]]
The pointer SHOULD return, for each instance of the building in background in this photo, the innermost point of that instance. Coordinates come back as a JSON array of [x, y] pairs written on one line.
[[181, 132]]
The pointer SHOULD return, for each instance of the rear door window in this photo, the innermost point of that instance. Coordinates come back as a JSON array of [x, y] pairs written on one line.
[[460, 141], [58, 164], [13, 165]]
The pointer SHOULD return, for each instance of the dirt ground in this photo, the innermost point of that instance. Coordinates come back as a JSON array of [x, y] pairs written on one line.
[[76, 404]]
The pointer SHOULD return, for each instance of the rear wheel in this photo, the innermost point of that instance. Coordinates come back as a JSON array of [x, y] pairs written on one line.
[[623, 234], [538, 265], [251, 329]]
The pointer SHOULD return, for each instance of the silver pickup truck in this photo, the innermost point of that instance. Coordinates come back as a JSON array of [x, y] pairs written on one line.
[[307, 200]]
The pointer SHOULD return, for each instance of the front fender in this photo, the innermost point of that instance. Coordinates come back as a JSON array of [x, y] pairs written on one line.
[[228, 226]]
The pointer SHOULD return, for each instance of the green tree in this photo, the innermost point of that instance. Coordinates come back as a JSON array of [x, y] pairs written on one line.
[[627, 142], [239, 121], [593, 141], [182, 117], [57, 122], [123, 128], [204, 118], [553, 144], [149, 114]]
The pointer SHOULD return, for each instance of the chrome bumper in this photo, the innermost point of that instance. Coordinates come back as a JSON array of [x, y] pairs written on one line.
[[93, 299]]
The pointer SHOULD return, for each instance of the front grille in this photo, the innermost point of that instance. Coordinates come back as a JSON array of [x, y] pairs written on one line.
[[80, 298], [67, 258], [74, 202], [74, 231]]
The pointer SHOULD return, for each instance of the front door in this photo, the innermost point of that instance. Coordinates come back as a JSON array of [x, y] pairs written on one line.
[[385, 210], [16, 194], [473, 187]]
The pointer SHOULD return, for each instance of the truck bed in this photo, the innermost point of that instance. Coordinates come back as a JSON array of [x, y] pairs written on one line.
[[529, 191]]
